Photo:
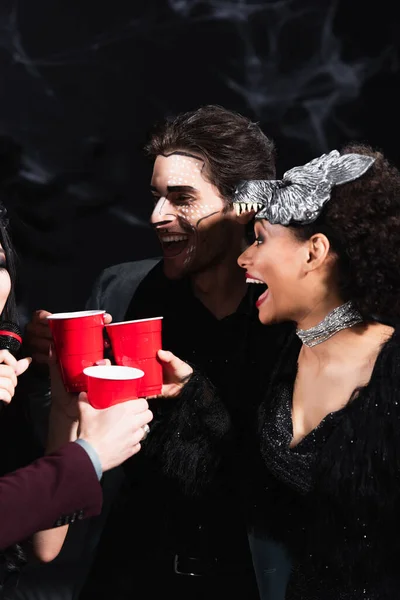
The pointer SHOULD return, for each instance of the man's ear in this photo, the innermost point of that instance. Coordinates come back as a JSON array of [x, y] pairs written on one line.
[[318, 248]]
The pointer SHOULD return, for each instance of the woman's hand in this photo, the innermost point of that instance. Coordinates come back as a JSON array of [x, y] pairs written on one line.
[[64, 413], [175, 373], [61, 400], [10, 369]]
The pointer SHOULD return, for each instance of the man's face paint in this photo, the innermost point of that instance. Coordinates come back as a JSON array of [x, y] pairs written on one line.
[[188, 215]]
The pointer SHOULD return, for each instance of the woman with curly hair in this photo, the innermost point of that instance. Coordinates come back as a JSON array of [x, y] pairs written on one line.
[[326, 464], [328, 248]]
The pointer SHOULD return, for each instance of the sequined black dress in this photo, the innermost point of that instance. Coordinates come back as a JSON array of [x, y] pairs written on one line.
[[335, 496]]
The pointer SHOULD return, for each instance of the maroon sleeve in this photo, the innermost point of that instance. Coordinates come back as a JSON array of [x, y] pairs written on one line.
[[53, 490]]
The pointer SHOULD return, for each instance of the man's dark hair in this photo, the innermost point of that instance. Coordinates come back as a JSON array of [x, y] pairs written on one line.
[[233, 147]]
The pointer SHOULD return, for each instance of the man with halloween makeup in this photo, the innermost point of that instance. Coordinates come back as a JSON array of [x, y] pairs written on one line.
[[327, 442], [193, 544]]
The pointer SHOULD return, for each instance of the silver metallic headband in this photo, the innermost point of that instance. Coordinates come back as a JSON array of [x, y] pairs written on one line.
[[302, 193]]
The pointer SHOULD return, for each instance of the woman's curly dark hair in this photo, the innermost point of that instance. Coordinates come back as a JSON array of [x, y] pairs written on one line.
[[362, 223]]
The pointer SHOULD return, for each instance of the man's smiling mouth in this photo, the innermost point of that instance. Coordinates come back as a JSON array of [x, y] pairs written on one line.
[[173, 244]]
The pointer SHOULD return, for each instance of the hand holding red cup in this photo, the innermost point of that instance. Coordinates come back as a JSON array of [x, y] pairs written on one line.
[[135, 344], [112, 384], [78, 343]]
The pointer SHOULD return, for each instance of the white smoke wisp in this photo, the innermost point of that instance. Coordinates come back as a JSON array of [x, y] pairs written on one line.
[[317, 82]]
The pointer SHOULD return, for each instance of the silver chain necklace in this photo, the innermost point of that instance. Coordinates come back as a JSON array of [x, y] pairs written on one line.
[[339, 318]]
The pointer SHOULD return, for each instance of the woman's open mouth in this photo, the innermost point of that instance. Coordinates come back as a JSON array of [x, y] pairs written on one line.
[[262, 298], [264, 295], [173, 245]]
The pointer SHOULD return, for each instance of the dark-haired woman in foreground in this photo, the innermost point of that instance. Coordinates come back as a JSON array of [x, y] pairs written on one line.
[[327, 464], [64, 485]]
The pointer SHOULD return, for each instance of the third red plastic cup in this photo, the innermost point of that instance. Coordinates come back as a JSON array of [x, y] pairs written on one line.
[[135, 344], [110, 384]]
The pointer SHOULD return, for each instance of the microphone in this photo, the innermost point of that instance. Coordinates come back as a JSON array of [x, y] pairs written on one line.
[[10, 337]]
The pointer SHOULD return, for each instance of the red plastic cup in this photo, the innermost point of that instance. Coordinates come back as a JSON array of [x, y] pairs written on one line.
[[111, 384], [135, 344], [78, 343]]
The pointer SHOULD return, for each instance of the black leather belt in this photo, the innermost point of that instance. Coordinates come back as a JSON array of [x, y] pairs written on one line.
[[195, 567]]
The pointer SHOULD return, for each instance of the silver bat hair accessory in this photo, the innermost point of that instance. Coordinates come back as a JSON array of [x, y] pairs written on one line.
[[302, 193]]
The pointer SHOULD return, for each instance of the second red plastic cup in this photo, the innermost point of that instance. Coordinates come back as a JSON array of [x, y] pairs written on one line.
[[78, 343], [135, 344], [110, 384]]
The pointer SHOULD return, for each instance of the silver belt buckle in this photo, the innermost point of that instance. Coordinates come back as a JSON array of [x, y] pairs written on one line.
[[179, 572]]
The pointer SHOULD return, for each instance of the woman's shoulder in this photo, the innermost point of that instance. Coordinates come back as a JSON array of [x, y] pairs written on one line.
[[390, 351], [384, 385]]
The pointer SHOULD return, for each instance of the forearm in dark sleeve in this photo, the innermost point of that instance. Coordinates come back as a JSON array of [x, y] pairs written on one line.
[[49, 492], [191, 434]]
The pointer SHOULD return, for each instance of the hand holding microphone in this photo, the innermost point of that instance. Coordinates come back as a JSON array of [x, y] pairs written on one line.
[[10, 367]]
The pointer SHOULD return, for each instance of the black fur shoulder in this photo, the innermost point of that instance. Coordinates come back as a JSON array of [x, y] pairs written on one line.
[[190, 435], [361, 460]]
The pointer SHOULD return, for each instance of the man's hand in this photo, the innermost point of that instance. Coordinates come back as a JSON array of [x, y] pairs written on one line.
[[175, 373], [115, 433], [64, 402], [37, 337], [10, 369]]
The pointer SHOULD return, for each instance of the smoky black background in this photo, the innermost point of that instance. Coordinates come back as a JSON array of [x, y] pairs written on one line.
[[83, 82]]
